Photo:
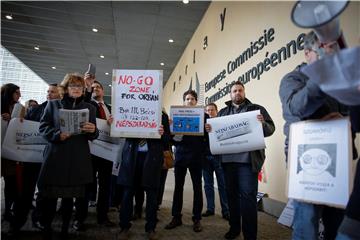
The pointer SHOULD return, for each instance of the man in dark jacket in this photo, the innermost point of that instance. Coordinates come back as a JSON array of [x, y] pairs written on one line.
[[102, 169], [141, 165], [189, 154], [302, 100], [241, 169], [31, 170]]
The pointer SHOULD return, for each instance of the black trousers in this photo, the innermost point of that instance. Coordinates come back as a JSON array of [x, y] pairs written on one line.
[[49, 211], [103, 170], [196, 174], [163, 176]]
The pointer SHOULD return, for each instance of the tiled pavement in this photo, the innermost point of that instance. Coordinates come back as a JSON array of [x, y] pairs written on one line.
[[214, 227]]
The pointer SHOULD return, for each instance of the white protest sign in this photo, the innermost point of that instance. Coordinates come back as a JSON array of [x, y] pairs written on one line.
[[4, 125], [105, 146], [236, 133], [319, 162], [136, 103], [23, 141], [187, 120]]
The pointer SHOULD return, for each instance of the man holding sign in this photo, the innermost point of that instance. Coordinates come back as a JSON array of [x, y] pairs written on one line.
[[241, 169]]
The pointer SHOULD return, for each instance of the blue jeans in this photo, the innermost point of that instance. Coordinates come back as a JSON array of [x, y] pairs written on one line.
[[306, 221], [211, 165], [241, 188]]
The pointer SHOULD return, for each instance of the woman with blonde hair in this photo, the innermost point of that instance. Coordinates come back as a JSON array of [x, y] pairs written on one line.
[[67, 165]]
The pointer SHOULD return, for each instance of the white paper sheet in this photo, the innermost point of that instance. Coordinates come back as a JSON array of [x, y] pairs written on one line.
[[319, 162], [23, 141], [236, 133], [106, 147]]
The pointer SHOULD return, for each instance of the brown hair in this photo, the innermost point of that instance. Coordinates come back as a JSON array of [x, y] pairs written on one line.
[[72, 78], [191, 92], [212, 104]]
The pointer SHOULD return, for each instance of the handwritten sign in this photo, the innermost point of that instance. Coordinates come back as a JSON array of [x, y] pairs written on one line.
[[319, 162], [23, 141], [137, 102], [187, 120]]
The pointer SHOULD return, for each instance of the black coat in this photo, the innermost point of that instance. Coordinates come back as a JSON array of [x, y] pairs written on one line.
[[36, 113], [153, 162], [66, 163]]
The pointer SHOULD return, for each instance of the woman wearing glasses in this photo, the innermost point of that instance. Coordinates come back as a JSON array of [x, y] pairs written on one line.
[[67, 165]]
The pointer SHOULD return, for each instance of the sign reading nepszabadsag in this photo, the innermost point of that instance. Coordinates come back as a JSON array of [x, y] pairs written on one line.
[[136, 103], [23, 141], [320, 162], [236, 133]]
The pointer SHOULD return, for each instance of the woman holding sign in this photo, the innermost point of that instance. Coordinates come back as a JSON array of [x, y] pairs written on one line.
[[67, 165], [10, 170]]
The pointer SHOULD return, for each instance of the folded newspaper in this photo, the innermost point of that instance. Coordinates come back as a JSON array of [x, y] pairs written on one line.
[[72, 120]]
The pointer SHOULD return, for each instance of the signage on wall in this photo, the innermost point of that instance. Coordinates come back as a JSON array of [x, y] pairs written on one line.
[[270, 61]]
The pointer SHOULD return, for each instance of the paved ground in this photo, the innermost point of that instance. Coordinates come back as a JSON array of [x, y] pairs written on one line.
[[214, 227]]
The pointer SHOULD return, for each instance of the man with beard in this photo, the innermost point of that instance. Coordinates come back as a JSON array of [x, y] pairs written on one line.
[[241, 169]]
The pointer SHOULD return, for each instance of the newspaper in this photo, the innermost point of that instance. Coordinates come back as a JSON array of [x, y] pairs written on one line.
[[72, 120]]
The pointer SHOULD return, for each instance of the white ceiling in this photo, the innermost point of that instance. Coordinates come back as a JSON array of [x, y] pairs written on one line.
[[131, 35]]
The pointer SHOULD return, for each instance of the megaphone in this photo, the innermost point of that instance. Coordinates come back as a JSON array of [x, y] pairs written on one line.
[[322, 16]]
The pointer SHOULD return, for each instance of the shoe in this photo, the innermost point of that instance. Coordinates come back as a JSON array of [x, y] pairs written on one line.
[[123, 234], [197, 226], [226, 217], [175, 222], [38, 225], [92, 203], [208, 213], [231, 235], [106, 223], [136, 216], [78, 225], [152, 235]]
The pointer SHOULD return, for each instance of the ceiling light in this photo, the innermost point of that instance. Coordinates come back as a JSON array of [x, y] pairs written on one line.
[[102, 56], [94, 30], [9, 17], [171, 40], [106, 73], [53, 67], [162, 64], [185, 1], [109, 85], [37, 48]]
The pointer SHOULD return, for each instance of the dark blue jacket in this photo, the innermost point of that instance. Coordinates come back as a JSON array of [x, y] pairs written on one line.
[[153, 162]]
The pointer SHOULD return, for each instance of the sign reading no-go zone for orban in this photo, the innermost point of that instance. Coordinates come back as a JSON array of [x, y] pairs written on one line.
[[136, 101]]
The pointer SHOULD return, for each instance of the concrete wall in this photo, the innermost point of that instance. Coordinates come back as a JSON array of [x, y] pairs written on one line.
[[244, 23]]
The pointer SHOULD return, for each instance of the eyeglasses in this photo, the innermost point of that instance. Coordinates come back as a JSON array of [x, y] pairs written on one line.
[[76, 86]]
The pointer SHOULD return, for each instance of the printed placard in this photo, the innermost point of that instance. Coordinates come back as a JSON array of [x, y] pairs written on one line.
[[104, 146], [136, 103], [319, 162], [236, 133], [187, 120], [23, 141]]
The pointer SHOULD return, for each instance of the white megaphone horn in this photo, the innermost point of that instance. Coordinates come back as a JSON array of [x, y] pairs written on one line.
[[322, 16]]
